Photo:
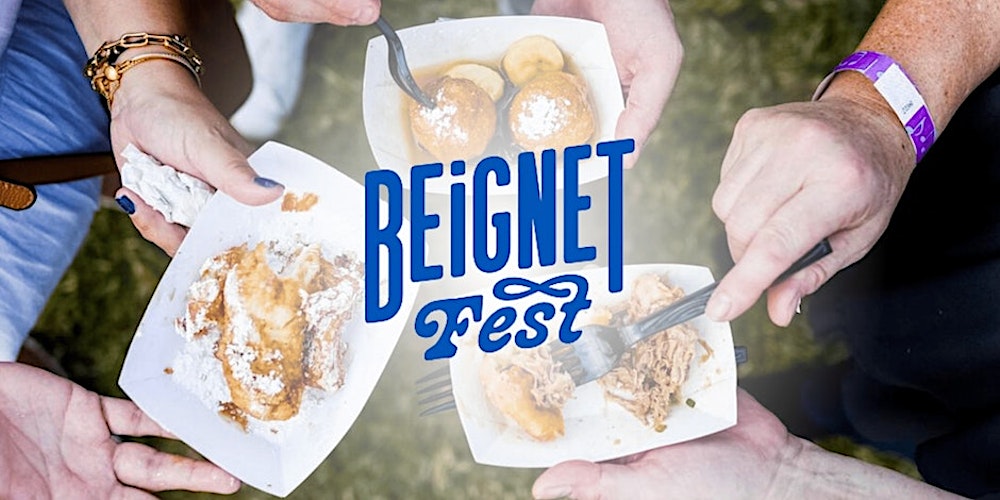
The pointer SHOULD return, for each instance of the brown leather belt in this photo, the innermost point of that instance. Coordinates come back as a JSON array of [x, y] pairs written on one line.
[[19, 176]]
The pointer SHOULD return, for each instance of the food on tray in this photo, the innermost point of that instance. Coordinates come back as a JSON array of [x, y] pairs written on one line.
[[531, 56], [266, 321], [648, 378], [551, 111], [461, 124], [303, 202], [540, 102], [486, 78], [528, 388]]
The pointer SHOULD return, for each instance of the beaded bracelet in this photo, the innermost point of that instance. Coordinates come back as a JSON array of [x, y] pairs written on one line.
[[105, 72], [898, 91]]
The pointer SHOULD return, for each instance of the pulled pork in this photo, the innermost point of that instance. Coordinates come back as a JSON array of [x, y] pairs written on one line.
[[648, 378]]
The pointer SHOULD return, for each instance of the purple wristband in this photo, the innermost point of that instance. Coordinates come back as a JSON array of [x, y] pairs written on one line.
[[897, 89]]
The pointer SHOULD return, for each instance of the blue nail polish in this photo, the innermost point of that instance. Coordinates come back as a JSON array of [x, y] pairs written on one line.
[[126, 204], [267, 183]]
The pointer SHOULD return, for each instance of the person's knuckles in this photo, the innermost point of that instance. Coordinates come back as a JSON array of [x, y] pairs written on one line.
[[128, 418], [360, 12], [816, 275], [750, 121], [138, 465], [276, 10], [777, 244], [739, 236]]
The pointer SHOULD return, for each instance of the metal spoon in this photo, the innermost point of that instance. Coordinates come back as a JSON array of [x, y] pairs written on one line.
[[397, 65]]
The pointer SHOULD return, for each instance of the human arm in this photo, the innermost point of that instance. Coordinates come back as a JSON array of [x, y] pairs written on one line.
[[798, 172], [57, 440], [757, 458], [160, 108], [647, 53]]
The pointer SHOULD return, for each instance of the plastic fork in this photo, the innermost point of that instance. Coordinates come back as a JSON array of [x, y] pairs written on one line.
[[398, 67], [599, 347]]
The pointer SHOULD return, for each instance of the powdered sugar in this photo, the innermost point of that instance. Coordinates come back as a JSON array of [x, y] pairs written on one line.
[[178, 196], [541, 117], [317, 306], [238, 352], [441, 118], [201, 365]]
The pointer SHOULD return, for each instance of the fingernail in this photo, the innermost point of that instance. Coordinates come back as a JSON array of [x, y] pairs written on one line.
[[126, 204], [554, 491], [267, 183], [718, 307]]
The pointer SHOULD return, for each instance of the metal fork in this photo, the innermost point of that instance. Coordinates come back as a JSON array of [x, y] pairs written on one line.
[[435, 387], [397, 65], [437, 396], [599, 347]]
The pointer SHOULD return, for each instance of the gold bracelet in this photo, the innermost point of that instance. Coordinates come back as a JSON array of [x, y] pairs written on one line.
[[107, 83], [105, 72]]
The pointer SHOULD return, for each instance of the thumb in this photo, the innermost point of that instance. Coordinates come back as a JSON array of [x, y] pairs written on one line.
[[647, 96], [586, 480], [225, 167]]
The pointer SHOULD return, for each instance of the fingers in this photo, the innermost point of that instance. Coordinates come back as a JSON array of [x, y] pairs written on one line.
[[149, 222], [225, 167], [143, 467], [759, 199], [585, 480], [339, 12], [739, 166], [124, 418], [647, 96], [795, 228]]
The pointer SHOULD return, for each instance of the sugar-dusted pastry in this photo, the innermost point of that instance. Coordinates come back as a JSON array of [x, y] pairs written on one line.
[[529, 57], [551, 112], [273, 315], [461, 124]]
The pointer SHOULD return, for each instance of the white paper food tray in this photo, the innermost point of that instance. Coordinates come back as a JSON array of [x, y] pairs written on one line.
[[277, 461], [484, 40], [597, 429]]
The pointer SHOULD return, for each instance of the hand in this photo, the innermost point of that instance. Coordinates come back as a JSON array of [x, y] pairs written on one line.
[[56, 441], [647, 52], [740, 462], [797, 173], [339, 12], [757, 458], [161, 110]]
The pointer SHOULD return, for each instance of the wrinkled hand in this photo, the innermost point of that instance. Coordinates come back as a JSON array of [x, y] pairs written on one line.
[[647, 52], [740, 462], [794, 174], [161, 110], [339, 12], [56, 441]]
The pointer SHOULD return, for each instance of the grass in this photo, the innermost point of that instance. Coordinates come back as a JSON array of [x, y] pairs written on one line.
[[739, 54]]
